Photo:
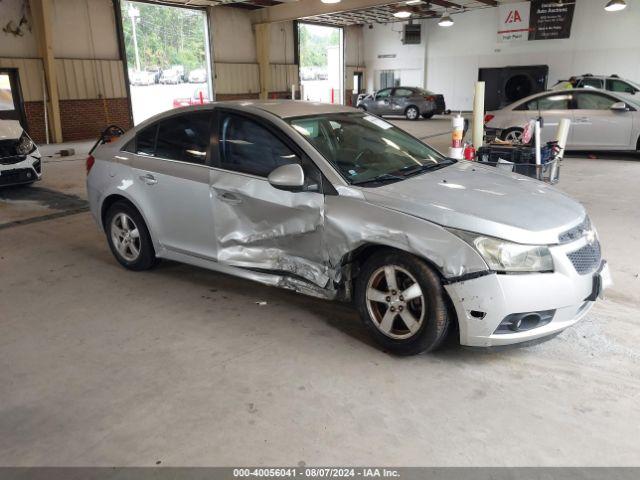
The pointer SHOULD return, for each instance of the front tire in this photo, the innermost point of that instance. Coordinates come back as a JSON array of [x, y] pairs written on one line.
[[401, 301], [128, 237], [412, 113]]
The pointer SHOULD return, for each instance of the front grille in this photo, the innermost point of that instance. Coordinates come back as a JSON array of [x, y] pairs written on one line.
[[11, 160], [587, 258], [8, 148], [13, 177]]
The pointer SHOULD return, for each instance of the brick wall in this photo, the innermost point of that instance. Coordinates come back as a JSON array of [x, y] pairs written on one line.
[[34, 111], [81, 119], [85, 119], [243, 96]]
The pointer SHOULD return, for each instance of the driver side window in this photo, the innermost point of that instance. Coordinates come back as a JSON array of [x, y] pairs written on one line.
[[382, 94], [247, 147]]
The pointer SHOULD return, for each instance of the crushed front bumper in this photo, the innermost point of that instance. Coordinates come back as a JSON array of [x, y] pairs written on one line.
[[484, 302], [23, 170]]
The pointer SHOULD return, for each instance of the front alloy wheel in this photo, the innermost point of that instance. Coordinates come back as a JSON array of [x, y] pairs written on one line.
[[401, 301], [395, 302]]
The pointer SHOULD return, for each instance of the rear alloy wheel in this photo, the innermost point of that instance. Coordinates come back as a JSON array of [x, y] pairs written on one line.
[[412, 113], [400, 300], [129, 238], [512, 135]]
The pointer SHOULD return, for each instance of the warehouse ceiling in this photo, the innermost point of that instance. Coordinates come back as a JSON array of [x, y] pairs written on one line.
[[343, 16], [384, 13]]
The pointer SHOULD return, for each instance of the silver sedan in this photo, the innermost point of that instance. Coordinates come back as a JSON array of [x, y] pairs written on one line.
[[599, 120], [340, 204]]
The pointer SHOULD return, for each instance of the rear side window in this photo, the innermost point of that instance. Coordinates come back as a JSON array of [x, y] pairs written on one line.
[[247, 147], [619, 86], [146, 141], [403, 92], [184, 138]]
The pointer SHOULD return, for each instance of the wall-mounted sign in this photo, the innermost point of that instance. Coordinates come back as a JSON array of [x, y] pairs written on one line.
[[551, 19], [387, 55], [513, 22]]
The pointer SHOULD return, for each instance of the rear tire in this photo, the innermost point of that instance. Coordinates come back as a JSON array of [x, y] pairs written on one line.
[[427, 116], [409, 317], [512, 134], [129, 238], [412, 113]]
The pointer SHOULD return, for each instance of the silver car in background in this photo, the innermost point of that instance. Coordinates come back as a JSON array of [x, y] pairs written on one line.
[[599, 120], [340, 204], [412, 102]]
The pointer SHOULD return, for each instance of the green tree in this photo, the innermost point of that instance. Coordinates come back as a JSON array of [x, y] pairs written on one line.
[[166, 36]]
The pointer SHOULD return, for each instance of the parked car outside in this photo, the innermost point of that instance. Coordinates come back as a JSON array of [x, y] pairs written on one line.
[[337, 203], [141, 77], [172, 77], [599, 120], [20, 160], [611, 83], [198, 76], [412, 102]]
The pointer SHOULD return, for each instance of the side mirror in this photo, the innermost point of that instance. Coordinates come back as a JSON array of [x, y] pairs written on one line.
[[287, 177], [619, 107]]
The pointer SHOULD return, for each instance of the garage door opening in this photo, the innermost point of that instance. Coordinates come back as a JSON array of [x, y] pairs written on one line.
[[167, 57], [321, 63]]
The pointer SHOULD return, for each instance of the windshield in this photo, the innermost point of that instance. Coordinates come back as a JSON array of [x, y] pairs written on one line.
[[366, 149]]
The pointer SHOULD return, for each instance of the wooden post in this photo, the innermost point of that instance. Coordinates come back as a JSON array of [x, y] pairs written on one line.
[[41, 11], [262, 50]]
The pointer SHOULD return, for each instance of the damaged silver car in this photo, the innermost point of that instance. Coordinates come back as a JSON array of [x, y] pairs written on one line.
[[340, 204]]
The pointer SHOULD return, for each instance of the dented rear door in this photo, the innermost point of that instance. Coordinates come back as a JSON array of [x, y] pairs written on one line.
[[258, 226]]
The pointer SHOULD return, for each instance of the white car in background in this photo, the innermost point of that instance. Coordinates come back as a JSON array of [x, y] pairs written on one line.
[[611, 83], [172, 77], [198, 76], [20, 161], [599, 120], [141, 77]]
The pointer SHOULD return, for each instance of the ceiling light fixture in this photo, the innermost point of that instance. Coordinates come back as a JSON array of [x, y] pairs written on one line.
[[413, 2], [330, 1], [402, 12], [615, 5], [445, 20]]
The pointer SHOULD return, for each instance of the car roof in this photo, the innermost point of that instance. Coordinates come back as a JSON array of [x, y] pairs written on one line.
[[280, 108], [287, 108], [560, 92]]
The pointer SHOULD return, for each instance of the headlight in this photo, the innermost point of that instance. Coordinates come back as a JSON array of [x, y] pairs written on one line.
[[504, 256], [25, 145]]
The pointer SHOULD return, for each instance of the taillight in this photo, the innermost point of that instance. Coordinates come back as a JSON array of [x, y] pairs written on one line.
[[430, 98], [488, 117], [90, 161]]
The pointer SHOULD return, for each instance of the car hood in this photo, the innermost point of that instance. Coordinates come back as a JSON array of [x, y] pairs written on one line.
[[10, 130], [485, 200]]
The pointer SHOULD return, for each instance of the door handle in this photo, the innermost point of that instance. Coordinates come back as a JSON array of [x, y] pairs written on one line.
[[148, 179], [229, 198]]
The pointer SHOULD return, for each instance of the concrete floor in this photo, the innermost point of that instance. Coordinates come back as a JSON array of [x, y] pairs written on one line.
[[102, 366]]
